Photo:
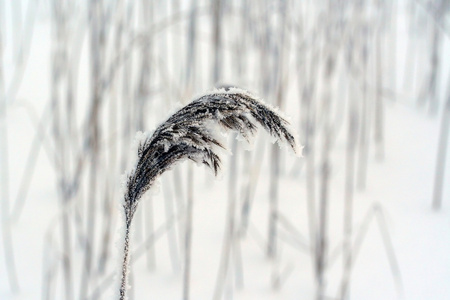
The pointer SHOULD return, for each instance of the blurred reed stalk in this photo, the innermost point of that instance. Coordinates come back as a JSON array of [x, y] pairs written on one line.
[[325, 169], [430, 90], [112, 160], [216, 15], [366, 104], [190, 80], [188, 234], [379, 101], [441, 159], [93, 133], [50, 265], [60, 68], [352, 138], [230, 236], [171, 232], [8, 247]]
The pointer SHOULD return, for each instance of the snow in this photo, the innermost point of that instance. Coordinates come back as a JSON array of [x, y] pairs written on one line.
[[400, 186]]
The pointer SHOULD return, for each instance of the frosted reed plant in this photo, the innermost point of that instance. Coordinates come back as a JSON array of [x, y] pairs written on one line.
[[189, 134]]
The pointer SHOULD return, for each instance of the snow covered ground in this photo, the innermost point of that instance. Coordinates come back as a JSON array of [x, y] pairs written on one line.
[[405, 253], [401, 186]]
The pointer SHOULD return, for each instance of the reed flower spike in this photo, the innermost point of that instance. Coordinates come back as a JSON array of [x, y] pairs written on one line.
[[189, 134]]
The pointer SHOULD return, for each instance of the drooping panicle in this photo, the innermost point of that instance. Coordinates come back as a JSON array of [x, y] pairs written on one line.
[[187, 135]]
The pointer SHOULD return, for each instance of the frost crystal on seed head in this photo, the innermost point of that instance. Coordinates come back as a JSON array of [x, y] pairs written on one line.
[[191, 133]]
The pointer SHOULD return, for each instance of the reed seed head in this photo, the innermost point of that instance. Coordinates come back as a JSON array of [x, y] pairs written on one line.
[[188, 134]]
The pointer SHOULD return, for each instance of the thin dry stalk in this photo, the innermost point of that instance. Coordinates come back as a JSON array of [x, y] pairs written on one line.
[[230, 232], [441, 158], [325, 166], [186, 135], [151, 253], [6, 224], [279, 67], [349, 191], [249, 194], [365, 120], [217, 40], [430, 92], [171, 232], [93, 131], [379, 102], [112, 162], [188, 234], [59, 69]]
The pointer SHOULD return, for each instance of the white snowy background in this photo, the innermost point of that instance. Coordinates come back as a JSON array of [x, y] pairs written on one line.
[[61, 171]]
